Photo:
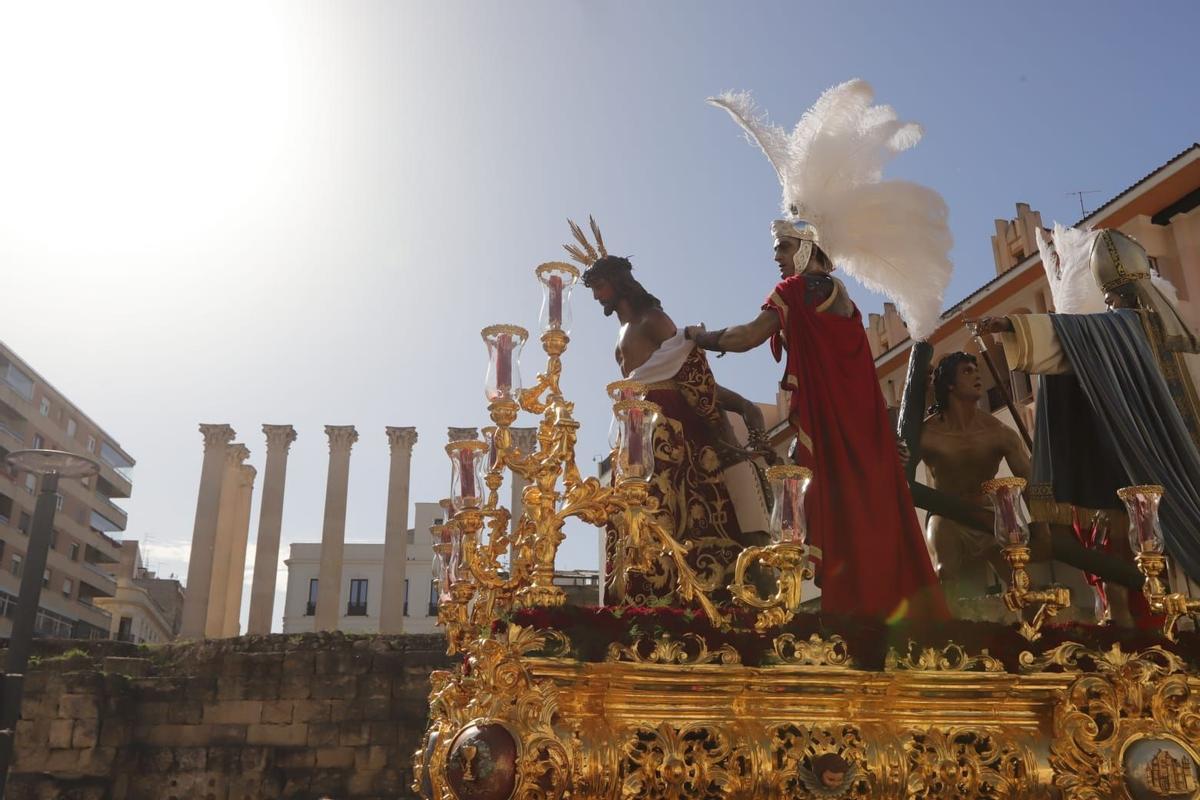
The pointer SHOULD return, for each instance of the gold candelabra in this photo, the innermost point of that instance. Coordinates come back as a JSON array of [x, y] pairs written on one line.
[[1146, 538], [1012, 531], [492, 564], [786, 554]]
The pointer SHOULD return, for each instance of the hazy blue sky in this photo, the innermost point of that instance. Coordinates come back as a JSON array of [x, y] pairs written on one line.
[[304, 213]]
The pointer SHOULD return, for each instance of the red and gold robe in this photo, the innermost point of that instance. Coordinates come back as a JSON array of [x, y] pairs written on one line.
[[870, 556], [687, 482]]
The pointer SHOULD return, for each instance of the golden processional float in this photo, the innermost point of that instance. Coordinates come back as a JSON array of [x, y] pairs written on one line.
[[753, 699]]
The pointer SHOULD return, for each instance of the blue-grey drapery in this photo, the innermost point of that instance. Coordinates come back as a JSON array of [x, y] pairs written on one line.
[[1113, 423]]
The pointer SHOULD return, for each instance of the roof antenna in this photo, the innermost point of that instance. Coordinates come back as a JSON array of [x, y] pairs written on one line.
[[1080, 195]]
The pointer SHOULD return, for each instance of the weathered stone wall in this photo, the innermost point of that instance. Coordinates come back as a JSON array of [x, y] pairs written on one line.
[[239, 719]]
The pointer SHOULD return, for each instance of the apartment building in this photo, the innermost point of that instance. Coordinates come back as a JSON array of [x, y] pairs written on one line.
[[83, 555]]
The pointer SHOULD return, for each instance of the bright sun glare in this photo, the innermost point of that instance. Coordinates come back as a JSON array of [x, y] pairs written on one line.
[[154, 117]]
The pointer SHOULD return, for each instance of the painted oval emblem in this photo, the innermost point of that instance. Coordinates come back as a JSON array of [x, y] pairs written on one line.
[[482, 763]]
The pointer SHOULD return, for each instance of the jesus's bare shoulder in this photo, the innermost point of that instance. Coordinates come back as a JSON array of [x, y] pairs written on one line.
[[641, 337]]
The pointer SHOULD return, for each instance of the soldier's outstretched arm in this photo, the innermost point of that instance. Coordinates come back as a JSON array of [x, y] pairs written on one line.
[[737, 339]]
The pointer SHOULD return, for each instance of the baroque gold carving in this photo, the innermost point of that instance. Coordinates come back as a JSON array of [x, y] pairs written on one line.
[[1129, 697], [814, 651], [951, 658], [1136, 666], [964, 763], [497, 687], [818, 762], [694, 760], [690, 649]]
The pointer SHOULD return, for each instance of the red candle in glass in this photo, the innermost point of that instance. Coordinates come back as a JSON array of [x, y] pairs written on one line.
[[504, 348], [555, 283], [466, 473], [1140, 519], [634, 440]]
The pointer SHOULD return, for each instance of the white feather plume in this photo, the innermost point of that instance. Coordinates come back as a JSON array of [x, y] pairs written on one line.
[[1066, 258], [892, 236]]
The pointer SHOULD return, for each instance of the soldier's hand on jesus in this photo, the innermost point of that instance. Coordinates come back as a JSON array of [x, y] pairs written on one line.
[[692, 331]]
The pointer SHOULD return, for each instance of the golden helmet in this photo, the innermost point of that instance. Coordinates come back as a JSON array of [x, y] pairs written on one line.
[[1118, 259]]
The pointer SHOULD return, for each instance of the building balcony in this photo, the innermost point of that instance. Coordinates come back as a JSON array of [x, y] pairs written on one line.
[[113, 512], [10, 433], [356, 610], [102, 584]]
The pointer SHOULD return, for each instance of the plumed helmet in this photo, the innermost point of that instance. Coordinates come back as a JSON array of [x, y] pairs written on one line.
[[799, 229], [1117, 260]]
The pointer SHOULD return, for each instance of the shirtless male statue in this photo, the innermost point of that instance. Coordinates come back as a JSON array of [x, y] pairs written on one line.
[[694, 442], [963, 446]]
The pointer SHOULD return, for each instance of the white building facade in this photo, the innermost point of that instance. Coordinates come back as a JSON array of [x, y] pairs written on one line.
[[362, 581]]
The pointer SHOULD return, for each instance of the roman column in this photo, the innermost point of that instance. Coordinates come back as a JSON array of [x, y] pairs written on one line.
[[227, 517], [395, 544], [461, 434], [237, 552], [204, 531], [333, 533], [270, 523], [525, 440]]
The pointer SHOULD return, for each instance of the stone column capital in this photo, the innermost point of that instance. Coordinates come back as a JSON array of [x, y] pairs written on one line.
[[216, 434], [404, 438], [341, 437], [246, 475], [524, 439], [461, 434], [236, 453], [279, 436]]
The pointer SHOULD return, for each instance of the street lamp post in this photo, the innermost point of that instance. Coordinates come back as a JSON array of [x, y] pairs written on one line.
[[51, 466]]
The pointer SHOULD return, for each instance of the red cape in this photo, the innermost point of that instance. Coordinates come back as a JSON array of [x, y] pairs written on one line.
[[872, 559]]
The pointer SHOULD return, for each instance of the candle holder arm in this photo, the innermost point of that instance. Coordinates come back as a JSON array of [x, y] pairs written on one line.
[[791, 564], [1020, 596], [1174, 606]]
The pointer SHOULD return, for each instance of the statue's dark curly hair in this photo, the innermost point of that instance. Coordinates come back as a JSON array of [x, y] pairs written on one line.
[[944, 376], [618, 271]]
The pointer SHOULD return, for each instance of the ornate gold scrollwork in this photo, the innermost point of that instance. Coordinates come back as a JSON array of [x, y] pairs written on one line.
[[965, 763], [1134, 667], [690, 761], [951, 658], [498, 689], [814, 651], [690, 649], [790, 564]]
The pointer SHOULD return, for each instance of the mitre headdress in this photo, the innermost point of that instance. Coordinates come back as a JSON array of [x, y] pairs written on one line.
[[890, 235], [1118, 260]]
